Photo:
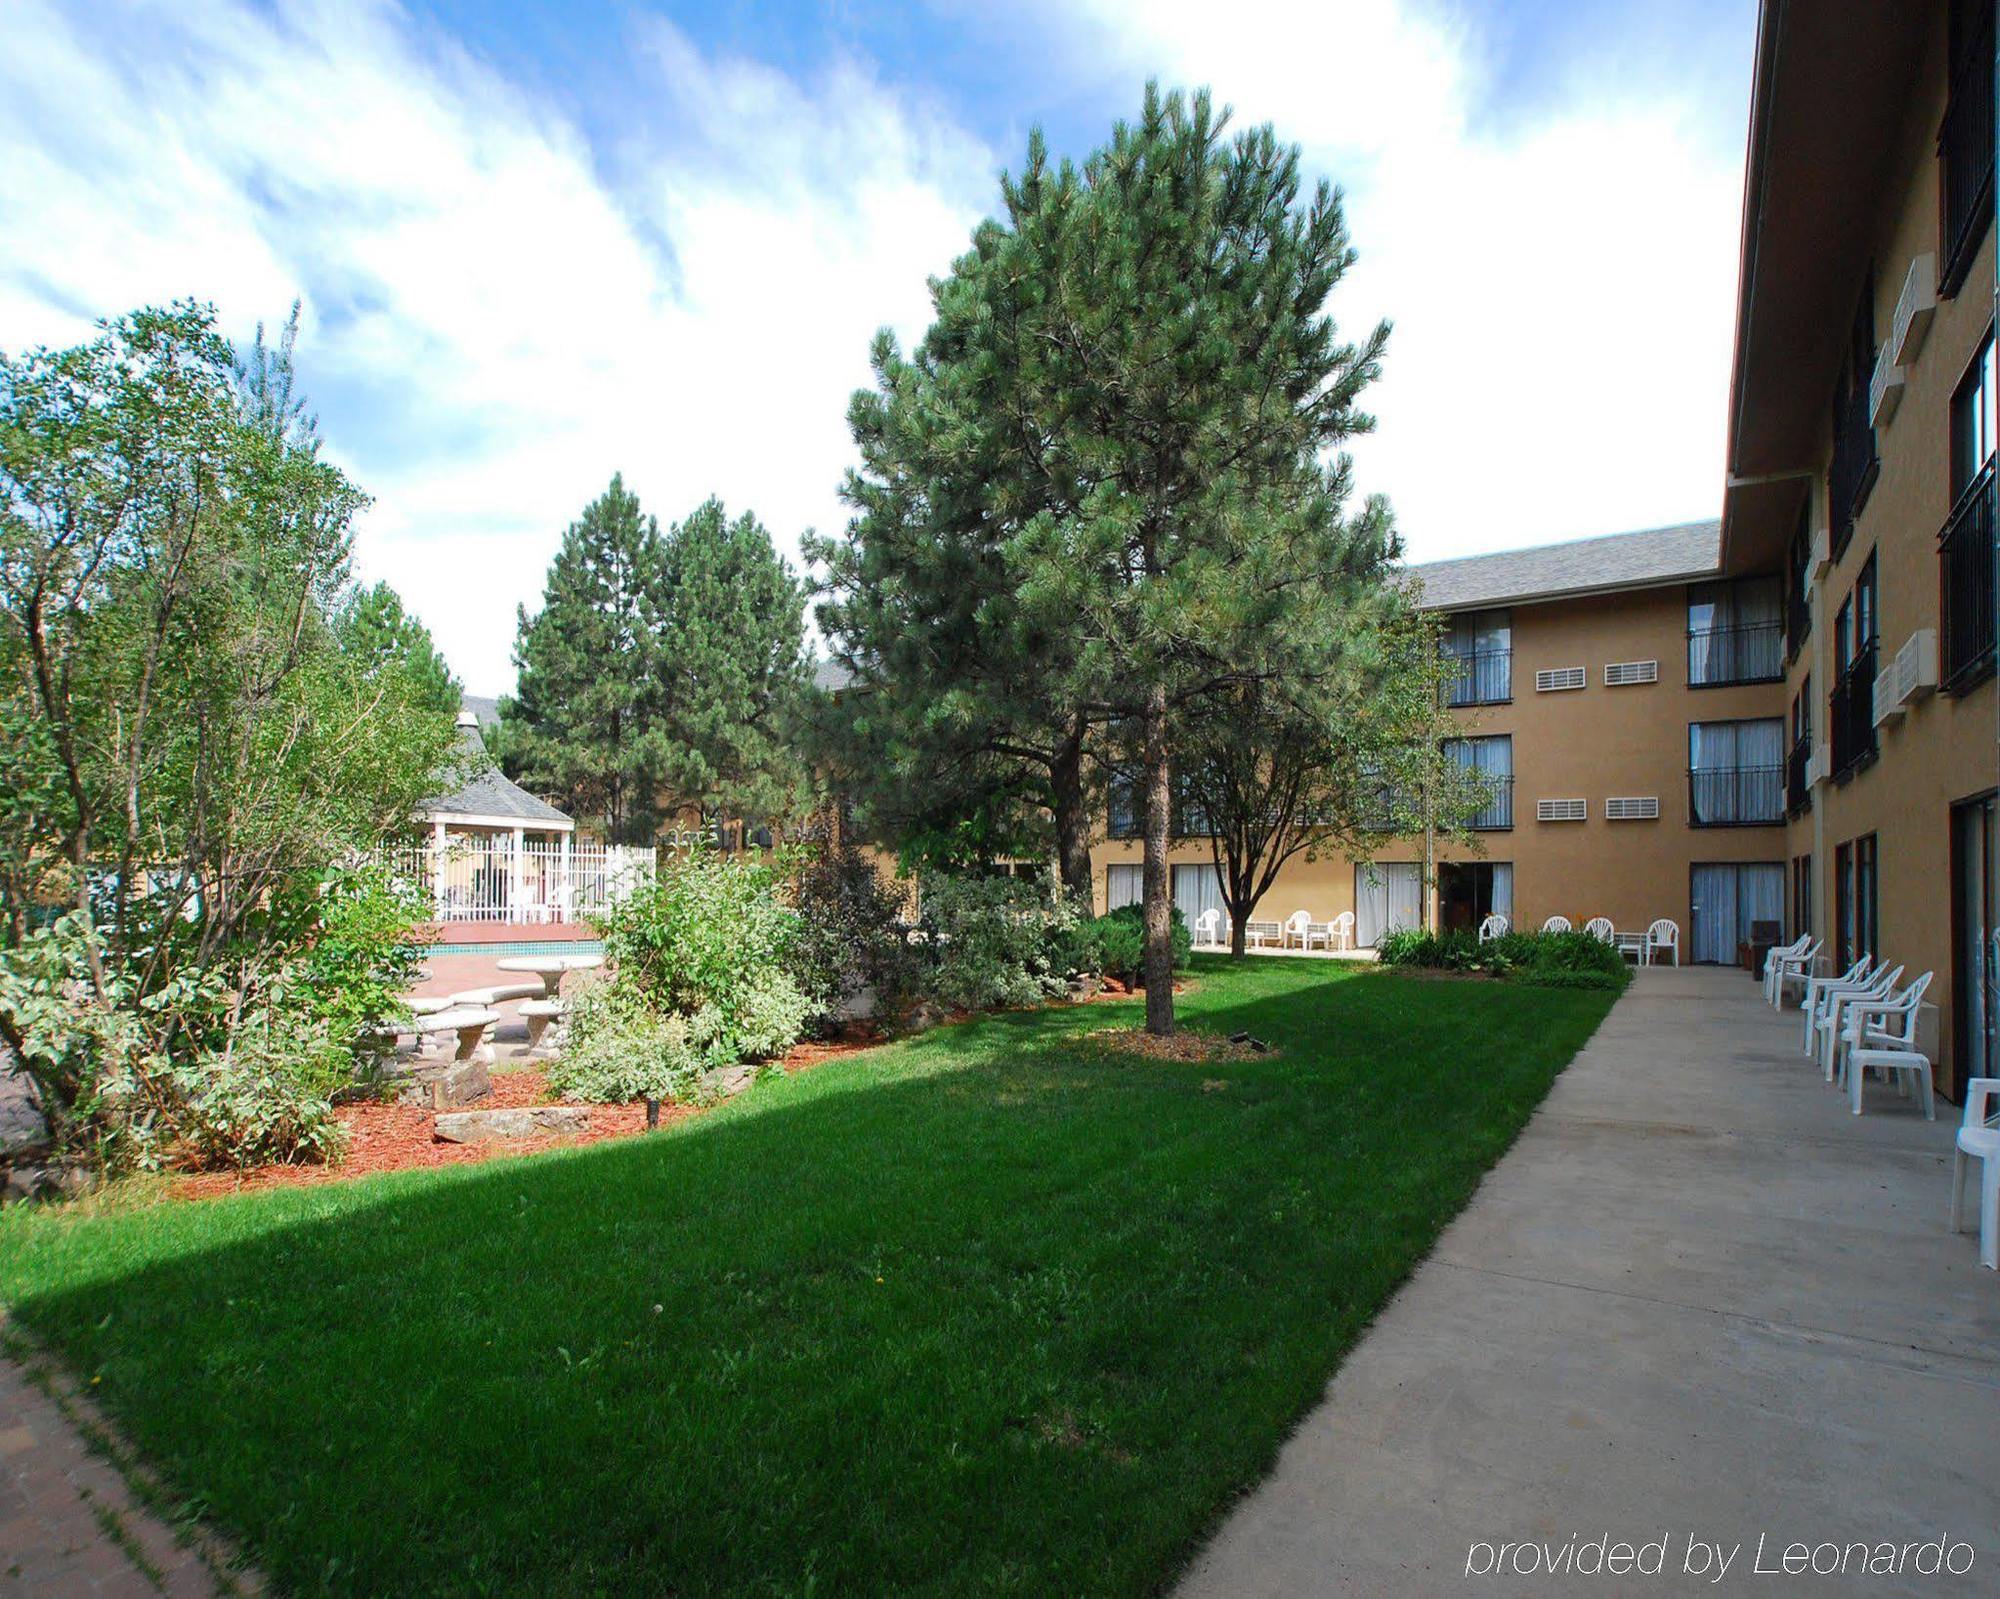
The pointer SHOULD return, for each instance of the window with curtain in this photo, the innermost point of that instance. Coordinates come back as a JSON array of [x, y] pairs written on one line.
[[1493, 759], [1729, 900], [1736, 772], [1124, 885], [1388, 896], [1480, 647], [1198, 889], [1736, 632]]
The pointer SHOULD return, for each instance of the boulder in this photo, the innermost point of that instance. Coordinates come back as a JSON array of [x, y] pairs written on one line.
[[522, 1121], [439, 1085]]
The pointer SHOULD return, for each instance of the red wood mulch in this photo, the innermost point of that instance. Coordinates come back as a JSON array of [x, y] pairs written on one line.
[[384, 1137]]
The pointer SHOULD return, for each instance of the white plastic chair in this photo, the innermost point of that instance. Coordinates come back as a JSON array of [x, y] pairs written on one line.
[[1775, 958], [1207, 927], [1600, 927], [1340, 931], [1798, 974], [1979, 1139], [1664, 934], [1832, 1013], [1556, 924], [1816, 986], [1298, 925], [1884, 1036], [1495, 926]]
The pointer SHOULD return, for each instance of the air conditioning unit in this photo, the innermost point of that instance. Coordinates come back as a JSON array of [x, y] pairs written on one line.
[[1562, 810], [1915, 307], [1633, 808], [1822, 552], [1907, 676], [1885, 389], [1562, 677], [1623, 674], [1820, 768]]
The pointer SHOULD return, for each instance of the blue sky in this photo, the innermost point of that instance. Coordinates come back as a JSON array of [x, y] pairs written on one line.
[[541, 242]]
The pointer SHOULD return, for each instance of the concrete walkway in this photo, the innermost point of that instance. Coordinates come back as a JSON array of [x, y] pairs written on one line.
[[1697, 1300]]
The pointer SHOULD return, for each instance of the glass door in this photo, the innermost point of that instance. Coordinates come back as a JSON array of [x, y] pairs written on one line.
[[1726, 904], [1976, 940], [1387, 897], [1198, 889]]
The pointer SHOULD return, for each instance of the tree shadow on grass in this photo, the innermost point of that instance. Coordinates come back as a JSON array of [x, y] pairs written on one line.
[[983, 1311]]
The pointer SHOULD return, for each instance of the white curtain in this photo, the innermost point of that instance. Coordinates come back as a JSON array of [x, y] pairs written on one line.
[[1124, 885], [1503, 889], [1728, 903], [1198, 889], [1738, 770], [1386, 897]]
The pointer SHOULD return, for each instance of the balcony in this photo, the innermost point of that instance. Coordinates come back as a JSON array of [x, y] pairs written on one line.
[[1479, 677], [1750, 652], [1853, 713], [1855, 463], [1965, 153], [1736, 796], [1798, 778], [1497, 814], [1965, 573]]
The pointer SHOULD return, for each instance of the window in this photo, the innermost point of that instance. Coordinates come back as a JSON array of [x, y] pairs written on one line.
[[1855, 464], [1730, 905], [1388, 897], [1798, 583], [1852, 708], [1802, 919], [1736, 773], [1123, 793], [1965, 547], [1124, 885], [1854, 901], [1190, 816], [1198, 889], [1735, 632], [1965, 143], [1471, 891], [1492, 759], [1798, 759], [1480, 647]]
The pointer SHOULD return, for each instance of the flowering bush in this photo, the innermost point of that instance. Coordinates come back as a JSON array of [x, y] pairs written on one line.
[[619, 1048]]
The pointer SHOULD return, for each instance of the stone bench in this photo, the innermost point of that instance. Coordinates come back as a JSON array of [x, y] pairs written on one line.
[[538, 1013]]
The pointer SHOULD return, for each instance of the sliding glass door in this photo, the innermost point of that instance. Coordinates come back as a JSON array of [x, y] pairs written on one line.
[[1198, 889], [1387, 896], [1975, 953], [1727, 902]]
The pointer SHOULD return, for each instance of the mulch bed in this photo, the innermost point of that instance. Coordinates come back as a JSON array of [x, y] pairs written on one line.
[[382, 1137], [1184, 1047]]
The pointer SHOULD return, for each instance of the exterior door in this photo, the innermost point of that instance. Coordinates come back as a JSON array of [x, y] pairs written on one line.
[[1726, 903], [1198, 889], [1387, 897], [1975, 952]]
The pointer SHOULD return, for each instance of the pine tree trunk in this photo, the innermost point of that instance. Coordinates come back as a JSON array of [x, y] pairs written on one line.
[[1159, 960], [1072, 816]]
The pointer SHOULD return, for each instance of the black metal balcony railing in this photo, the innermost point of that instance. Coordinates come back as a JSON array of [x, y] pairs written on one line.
[[1798, 792], [1479, 677], [1496, 815], [1750, 652], [1855, 463], [1736, 796], [1853, 712], [1965, 573], [1965, 153]]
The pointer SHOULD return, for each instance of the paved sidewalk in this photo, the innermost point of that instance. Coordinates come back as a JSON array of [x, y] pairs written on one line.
[[69, 1524], [1697, 1299]]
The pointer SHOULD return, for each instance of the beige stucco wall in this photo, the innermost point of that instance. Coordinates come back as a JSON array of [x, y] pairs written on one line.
[[1943, 750]]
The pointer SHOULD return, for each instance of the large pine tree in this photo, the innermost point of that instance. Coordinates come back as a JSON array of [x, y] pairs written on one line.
[[582, 724]]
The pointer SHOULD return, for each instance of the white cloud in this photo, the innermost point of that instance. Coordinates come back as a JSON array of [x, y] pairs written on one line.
[[509, 332], [1562, 286]]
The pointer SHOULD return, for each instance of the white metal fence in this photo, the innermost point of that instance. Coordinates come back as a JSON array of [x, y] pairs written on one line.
[[485, 879]]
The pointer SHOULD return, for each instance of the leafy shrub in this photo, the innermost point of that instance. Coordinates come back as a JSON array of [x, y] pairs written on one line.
[[710, 938], [360, 955], [1545, 960], [850, 939], [618, 1048], [995, 941], [1569, 977], [1121, 943], [267, 1097]]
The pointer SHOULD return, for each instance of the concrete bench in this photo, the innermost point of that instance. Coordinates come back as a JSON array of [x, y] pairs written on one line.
[[498, 994], [538, 1013], [469, 1022]]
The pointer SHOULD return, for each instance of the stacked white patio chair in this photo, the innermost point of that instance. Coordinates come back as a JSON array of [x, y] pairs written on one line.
[[1495, 926], [1556, 924], [1775, 958], [1790, 971], [1831, 1017], [1979, 1139], [1883, 1036], [1665, 933]]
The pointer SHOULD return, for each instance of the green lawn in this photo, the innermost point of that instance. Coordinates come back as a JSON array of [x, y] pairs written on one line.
[[986, 1311]]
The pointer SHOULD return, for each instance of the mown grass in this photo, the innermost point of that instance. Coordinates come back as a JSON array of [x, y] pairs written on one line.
[[993, 1310]]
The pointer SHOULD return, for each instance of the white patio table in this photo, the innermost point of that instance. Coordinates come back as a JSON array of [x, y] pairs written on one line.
[[1633, 944], [550, 968]]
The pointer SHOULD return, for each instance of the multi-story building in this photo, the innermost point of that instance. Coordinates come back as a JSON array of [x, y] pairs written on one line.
[[1788, 720]]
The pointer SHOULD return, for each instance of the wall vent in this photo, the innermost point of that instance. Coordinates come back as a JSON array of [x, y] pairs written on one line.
[[1562, 677], [1622, 674], [1562, 810], [1633, 808], [1915, 307]]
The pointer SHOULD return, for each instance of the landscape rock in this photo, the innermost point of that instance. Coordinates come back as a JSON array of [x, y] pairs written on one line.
[[525, 1121], [727, 1080], [922, 1017], [439, 1085]]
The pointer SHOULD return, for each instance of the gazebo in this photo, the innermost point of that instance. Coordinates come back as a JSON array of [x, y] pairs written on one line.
[[497, 853]]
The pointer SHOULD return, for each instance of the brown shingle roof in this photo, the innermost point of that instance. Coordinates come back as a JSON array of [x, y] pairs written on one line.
[[1679, 554]]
